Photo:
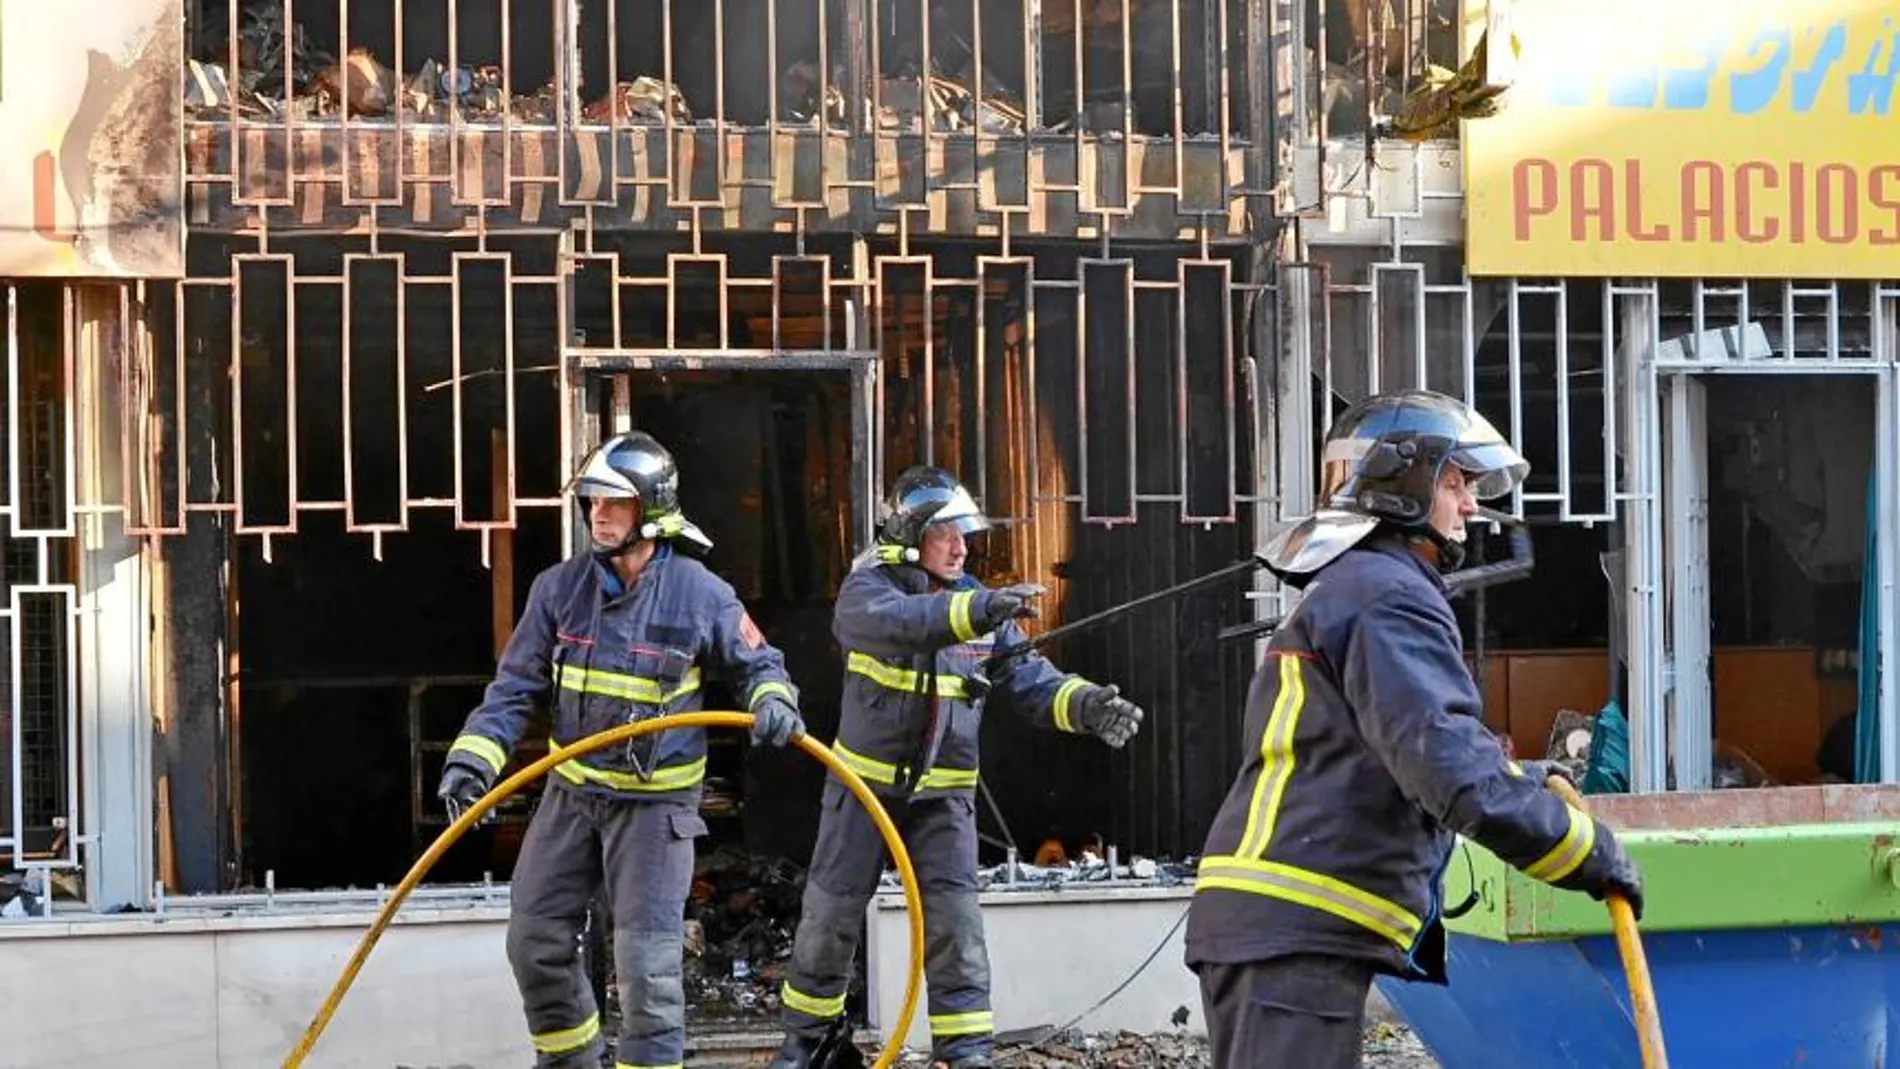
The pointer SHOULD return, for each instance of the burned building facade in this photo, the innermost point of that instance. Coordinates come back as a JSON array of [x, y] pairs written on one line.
[[272, 519], [1117, 262]]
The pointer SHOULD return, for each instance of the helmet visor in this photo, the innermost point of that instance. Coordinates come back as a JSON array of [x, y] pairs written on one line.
[[1493, 467], [597, 478], [960, 514]]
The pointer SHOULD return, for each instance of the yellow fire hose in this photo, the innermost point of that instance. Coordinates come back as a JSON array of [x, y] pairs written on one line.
[[892, 840], [1629, 944]]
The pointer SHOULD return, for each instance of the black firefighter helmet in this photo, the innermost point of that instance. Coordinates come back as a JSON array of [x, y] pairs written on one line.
[[636, 467], [1381, 463], [925, 496]]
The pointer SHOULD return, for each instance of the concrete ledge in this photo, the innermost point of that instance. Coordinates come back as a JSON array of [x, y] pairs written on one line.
[[236, 992], [1053, 955]]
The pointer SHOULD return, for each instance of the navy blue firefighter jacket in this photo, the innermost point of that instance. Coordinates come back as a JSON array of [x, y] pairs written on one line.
[[607, 656], [914, 691], [1365, 755]]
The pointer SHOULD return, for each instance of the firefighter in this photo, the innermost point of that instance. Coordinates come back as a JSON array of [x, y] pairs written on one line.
[[608, 637], [1367, 752], [914, 627]]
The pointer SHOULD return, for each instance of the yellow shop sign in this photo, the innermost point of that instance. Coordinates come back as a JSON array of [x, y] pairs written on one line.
[[1737, 138]]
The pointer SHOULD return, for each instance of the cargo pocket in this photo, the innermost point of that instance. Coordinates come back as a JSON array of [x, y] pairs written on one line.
[[686, 824], [1326, 990]]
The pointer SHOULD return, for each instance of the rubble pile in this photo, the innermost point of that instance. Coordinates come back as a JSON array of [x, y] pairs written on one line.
[[740, 918], [1121, 1050], [1054, 873], [1387, 1046]]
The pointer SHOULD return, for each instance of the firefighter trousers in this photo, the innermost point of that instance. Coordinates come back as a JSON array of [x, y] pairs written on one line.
[[643, 851], [940, 836], [1307, 1010]]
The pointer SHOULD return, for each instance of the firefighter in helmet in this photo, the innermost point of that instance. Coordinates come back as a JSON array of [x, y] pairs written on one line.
[[1367, 752], [915, 629], [617, 634]]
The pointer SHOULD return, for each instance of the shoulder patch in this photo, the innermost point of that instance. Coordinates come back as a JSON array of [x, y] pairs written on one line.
[[749, 632]]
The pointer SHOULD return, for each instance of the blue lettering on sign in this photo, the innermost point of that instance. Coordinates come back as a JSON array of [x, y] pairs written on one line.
[[1868, 91], [1689, 88], [1771, 74]]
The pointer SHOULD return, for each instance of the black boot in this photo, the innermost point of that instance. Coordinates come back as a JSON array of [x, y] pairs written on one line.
[[797, 1052]]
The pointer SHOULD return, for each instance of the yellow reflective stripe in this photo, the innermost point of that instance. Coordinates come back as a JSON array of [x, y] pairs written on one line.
[[961, 1024], [866, 768], [632, 1065], [1060, 710], [566, 1039], [1310, 889], [1276, 759], [759, 692], [617, 685], [876, 771], [896, 678], [809, 1005], [939, 778], [672, 778], [1579, 839], [488, 750], [960, 624]]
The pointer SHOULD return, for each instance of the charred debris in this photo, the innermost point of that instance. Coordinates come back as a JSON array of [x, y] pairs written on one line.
[[282, 76]]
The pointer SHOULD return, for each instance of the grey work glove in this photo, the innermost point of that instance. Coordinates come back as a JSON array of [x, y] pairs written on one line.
[[1104, 713], [1607, 869], [775, 721], [1009, 603], [462, 786]]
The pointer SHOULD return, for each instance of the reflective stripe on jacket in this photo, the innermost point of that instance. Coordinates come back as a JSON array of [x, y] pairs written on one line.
[[607, 658], [1365, 752], [914, 694]]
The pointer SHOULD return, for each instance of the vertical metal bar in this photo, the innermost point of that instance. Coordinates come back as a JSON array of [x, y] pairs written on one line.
[[857, 60], [1643, 550], [568, 65], [864, 433], [16, 655], [455, 139], [1516, 376], [69, 426], [70, 721], [582, 422], [1887, 548], [507, 116], [132, 360], [14, 509], [1564, 506], [1032, 67], [929, 320], [1177, 73], [719, 88], [1686, 512], [1611, 332], [179, 438], [1081, 92], [622, 402], [349, 422]]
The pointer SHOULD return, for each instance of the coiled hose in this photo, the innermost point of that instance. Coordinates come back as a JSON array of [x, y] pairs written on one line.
[[893, 841]]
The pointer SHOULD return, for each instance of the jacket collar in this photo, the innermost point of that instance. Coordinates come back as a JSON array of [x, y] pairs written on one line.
[[1397, 544]]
